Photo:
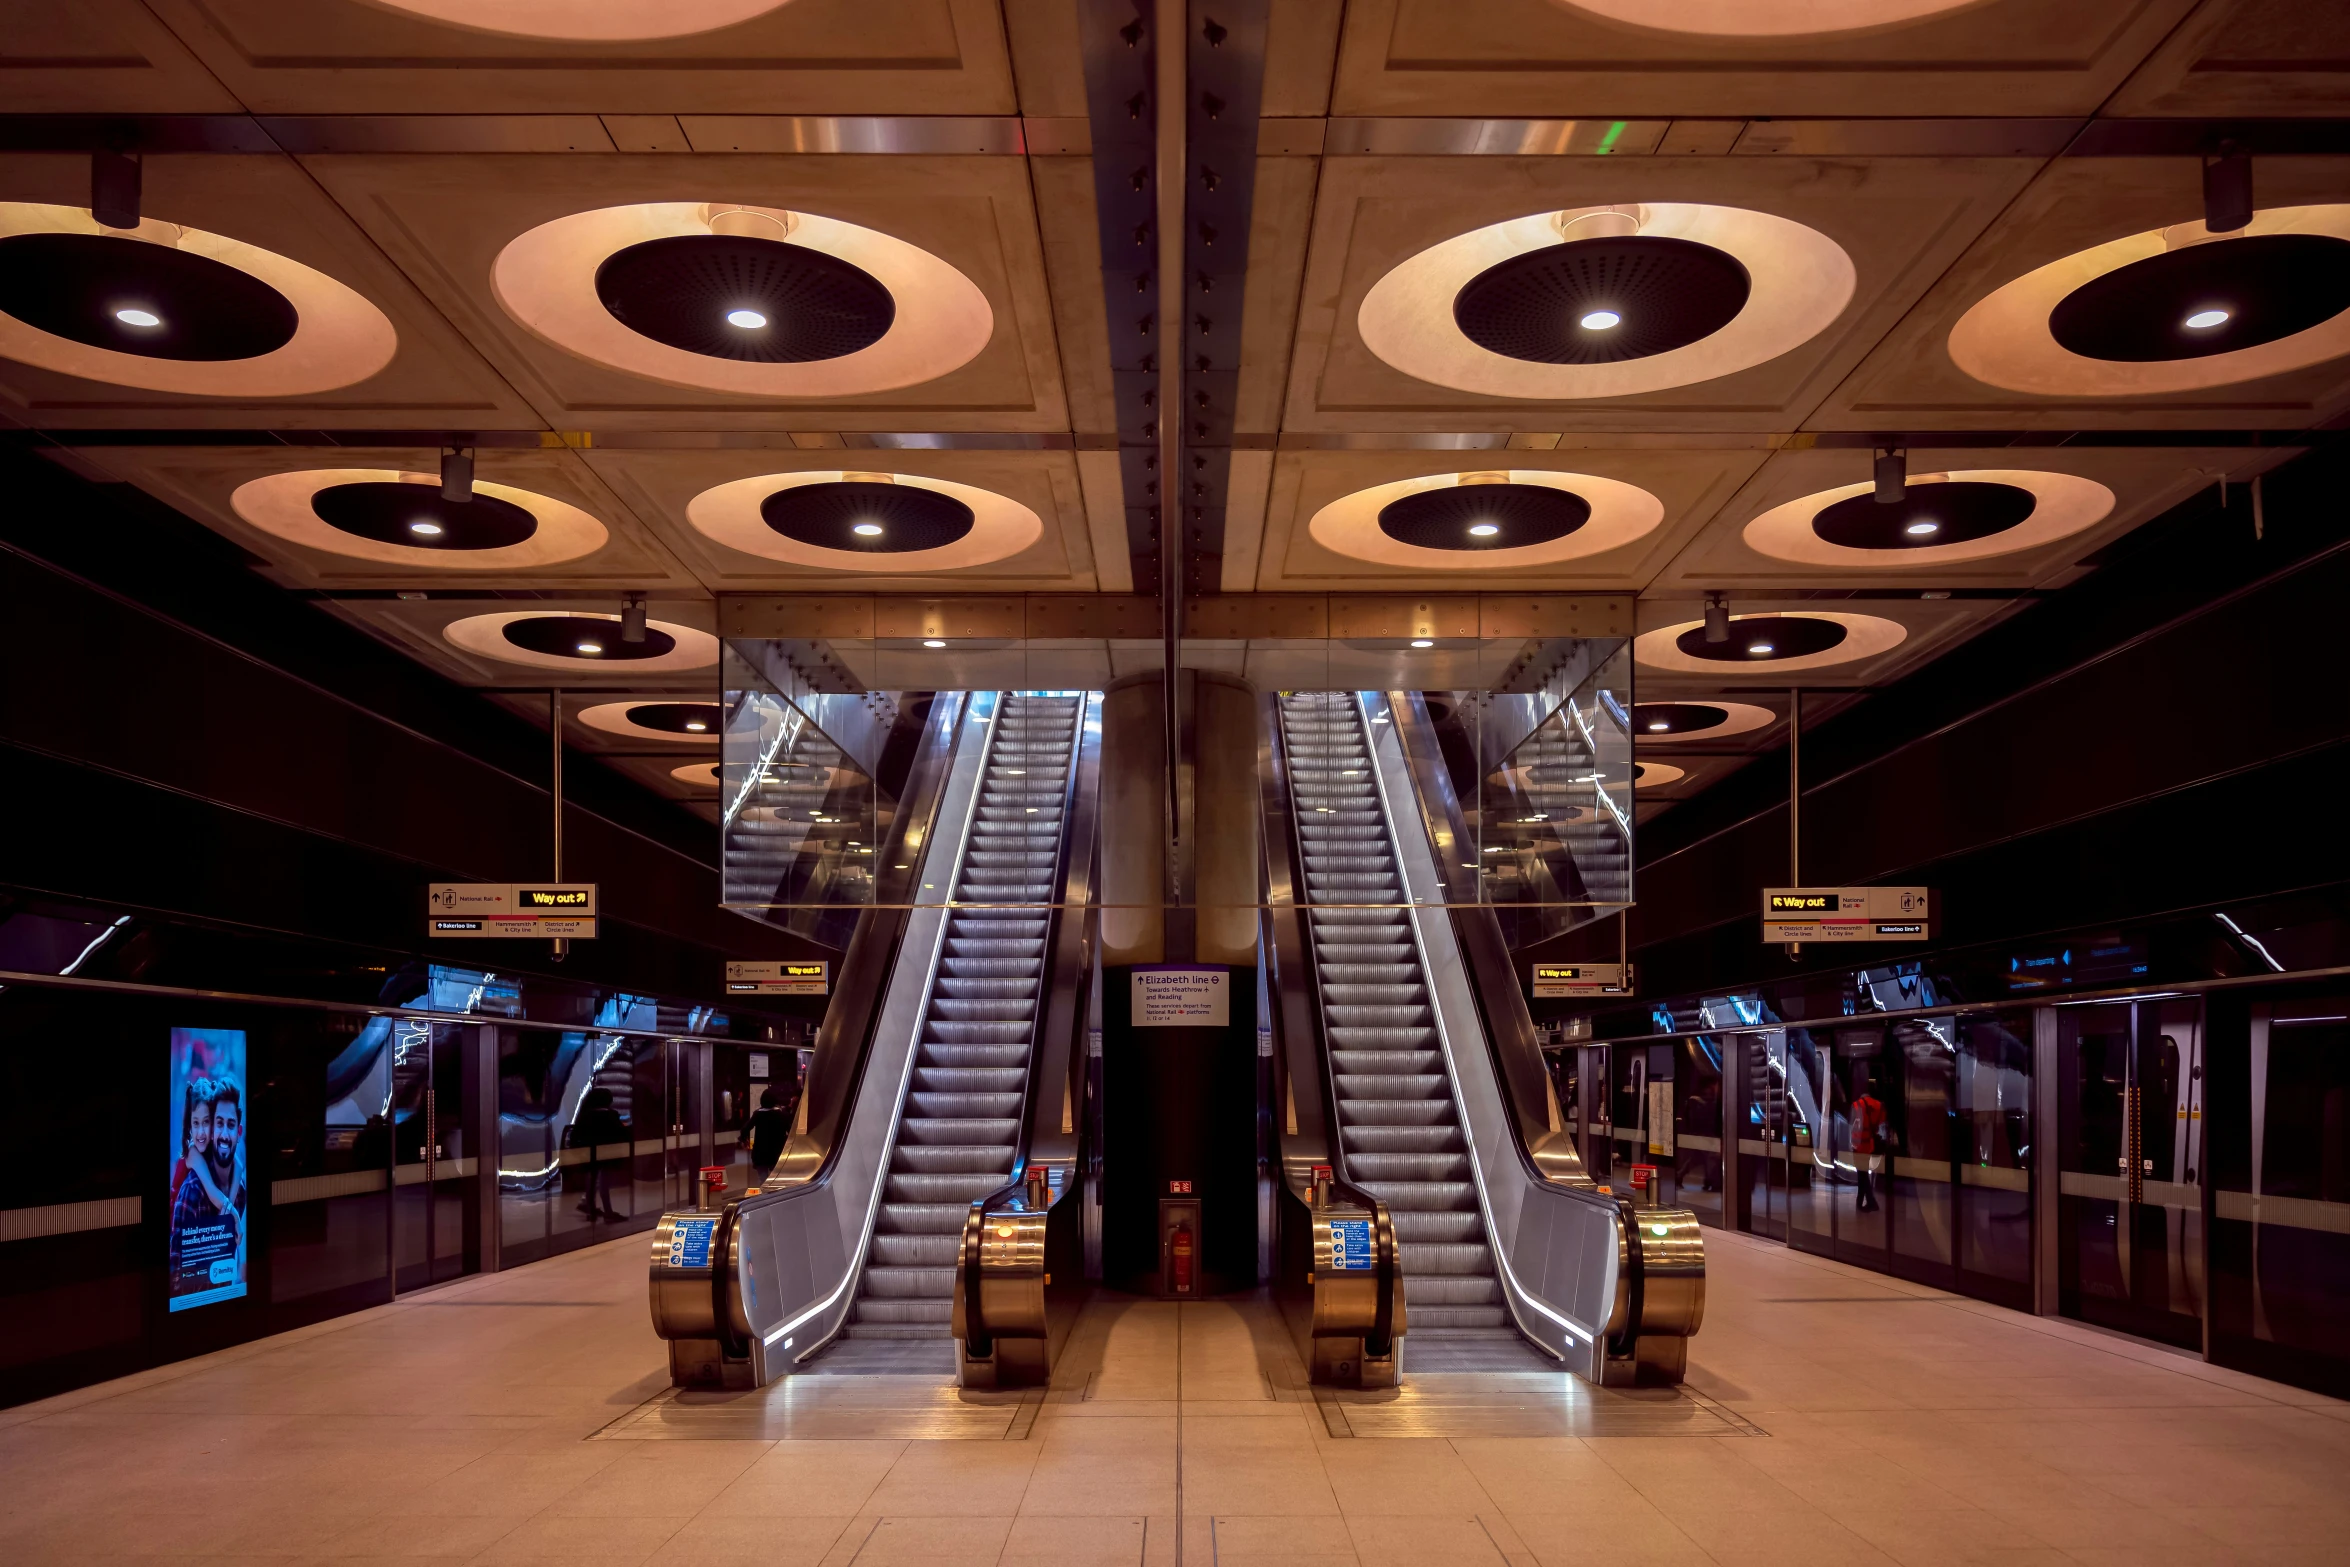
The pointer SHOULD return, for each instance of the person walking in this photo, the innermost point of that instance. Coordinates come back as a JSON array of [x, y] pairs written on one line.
[[1867, 1122], [770, 1127], [597, 1127]]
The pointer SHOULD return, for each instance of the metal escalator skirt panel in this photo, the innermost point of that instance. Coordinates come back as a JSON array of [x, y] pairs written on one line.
[[959, 1126]]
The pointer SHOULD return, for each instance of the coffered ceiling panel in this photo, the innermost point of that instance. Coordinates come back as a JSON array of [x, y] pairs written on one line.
[[432, 378], [1666, 496], [447, 221], [1899, 221], [792, 57], [269, 500], [2257, 58], [1676, 57], [1912, 380], [84, 56], [683, 496], [2043, 510]]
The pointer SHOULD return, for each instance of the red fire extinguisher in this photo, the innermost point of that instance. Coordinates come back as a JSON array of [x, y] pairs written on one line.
[[1179, 1254]]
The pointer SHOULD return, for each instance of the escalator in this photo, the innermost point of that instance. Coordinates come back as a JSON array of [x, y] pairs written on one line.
[[1442, 1121], [958, 1136], [1399, 1128], [924, 1096]]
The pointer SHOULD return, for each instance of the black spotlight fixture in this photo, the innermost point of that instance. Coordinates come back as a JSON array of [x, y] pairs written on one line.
[[1484, 514], [457, 475], [114, 189], [2227, 187], [735, 296], [632, 618], [874, 516], [1892, 476], [1602, 301], [1764, 639], [1717, 617]]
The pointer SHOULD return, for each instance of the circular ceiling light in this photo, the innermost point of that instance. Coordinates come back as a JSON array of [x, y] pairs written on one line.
[[1697, 292], [1647, 775], [818, 519], [390, 512], [587, 21], [868, 517], [1764, 637], [683, 291], [584, 636], [374, 514], [2165, 307], [649, 290], [1539, 305], [1503, 516], [1806, 640], [2169, 310], [1764, 18], [694, 723], [1538, 518], [932, 642], [172, 309], [114, 292], [1696, 721], [1423, 641], [554, 640], [1942, 519]]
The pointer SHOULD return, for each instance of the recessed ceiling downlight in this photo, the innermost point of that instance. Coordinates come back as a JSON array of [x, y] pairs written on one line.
[[582, 636], [867, 530], [1630, 296], [1483, 530], [424, 529], [2205, 320], [933, 642], [1599, 320], [700, 292], [158, 302]]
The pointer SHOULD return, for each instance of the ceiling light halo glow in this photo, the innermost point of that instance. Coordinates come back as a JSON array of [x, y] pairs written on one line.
[[730, 514], [1865, 637], [1801, 281], [484, 636], [545, 279], [133, 316], [1621, 513], [339, 338], [586, 21], [1762, 18], [2205, 320], [280, 504], [1600, 320], [2064, 504], [2004, 339]]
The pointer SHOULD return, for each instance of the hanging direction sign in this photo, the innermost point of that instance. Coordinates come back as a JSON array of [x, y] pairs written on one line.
[[1553, 981], [779, 979], [1847, 914], [458, 910]]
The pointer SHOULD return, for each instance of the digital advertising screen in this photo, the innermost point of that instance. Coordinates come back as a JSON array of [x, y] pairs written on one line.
[[208, 1259]]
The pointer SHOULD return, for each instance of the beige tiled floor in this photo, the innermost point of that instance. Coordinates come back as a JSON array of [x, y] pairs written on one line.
[[487, 1423]]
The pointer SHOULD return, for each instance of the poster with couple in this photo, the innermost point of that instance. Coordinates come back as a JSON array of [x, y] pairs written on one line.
[[207, 1215]]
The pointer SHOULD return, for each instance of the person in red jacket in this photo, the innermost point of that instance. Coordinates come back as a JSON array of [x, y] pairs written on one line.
[[1866, 1123]]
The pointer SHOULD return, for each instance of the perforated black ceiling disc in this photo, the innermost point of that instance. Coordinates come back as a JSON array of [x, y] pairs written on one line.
[[1676, 718], [828, 516], [1786, 636], [1521, 514], [570, 636], [680, 291], [75, 285], [415, 515], [2270, 285], [1668, 293], [677, 718], [1928, 515]]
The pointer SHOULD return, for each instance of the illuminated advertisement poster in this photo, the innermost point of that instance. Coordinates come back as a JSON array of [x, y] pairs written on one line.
[[208, 1114]]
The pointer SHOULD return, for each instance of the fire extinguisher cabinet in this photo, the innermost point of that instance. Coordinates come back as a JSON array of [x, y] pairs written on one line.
[[1179, 1248]]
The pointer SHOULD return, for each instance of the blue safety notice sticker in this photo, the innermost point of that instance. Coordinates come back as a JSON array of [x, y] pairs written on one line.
[[689, 1242], [1350, 1245]]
